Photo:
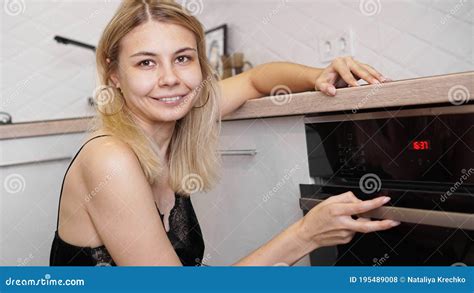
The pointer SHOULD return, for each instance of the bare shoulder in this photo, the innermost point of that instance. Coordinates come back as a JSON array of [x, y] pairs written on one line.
[[111, 164], [108, 152]]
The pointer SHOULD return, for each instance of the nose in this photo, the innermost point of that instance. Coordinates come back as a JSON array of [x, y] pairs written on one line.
[[167, 77]]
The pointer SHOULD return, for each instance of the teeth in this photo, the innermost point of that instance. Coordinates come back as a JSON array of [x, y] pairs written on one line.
[[173, 99]]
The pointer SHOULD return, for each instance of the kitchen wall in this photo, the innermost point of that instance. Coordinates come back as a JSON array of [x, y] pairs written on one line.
[[46, 80], [403, 39], [43, 79]]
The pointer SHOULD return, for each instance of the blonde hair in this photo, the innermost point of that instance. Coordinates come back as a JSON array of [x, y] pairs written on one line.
[[193, 147]]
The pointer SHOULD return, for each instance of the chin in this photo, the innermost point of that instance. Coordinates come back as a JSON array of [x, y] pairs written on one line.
[[170, 115]]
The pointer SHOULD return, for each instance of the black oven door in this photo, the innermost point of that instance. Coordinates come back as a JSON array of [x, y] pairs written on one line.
[[433, 232], [422, 158]]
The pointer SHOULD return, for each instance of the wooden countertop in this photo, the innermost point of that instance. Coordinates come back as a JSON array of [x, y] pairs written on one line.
[[457, 88], [418, 91]]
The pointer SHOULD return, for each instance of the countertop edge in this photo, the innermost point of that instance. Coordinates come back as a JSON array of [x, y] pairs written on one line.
[[419, 91]]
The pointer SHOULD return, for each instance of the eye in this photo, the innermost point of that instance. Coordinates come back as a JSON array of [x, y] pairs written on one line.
[[183, 59], [146, 63]]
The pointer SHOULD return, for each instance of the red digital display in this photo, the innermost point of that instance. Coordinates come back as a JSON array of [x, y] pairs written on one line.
[[420, 145]]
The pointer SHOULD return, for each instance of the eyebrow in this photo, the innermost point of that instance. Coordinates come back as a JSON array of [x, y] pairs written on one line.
[[145, 53]]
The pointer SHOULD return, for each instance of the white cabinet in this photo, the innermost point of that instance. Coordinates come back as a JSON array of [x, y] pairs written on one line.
[[31, 172], [264, 161]]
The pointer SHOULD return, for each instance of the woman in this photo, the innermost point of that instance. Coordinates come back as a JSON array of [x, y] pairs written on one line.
[[124, 199]]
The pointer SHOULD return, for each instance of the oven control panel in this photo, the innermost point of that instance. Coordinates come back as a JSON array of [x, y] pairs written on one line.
[[416, 148]]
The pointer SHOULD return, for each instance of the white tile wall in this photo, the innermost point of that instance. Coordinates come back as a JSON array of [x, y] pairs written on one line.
[[403, 39], [42, 79]]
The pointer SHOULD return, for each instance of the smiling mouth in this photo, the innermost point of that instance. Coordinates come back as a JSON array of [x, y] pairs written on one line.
[[170, 100]]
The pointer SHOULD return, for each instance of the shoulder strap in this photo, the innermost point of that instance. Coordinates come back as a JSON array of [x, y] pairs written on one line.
[[70, 164]]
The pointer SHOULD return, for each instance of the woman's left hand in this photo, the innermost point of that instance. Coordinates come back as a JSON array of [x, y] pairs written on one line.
[[345, 71]]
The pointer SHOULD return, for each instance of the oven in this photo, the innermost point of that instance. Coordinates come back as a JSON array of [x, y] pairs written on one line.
[[423, 158]]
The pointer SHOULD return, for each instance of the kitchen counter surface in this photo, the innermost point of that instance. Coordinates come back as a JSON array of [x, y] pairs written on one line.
[[457, 89]]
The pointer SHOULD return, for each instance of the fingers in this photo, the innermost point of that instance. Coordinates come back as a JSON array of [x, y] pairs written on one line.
[[359, 207], [346, 197], [343, 235], [362, 219], [349, 70], [349, 197], [363, 73], [370, 226], [326, 87], [374, 72], [344, 71]]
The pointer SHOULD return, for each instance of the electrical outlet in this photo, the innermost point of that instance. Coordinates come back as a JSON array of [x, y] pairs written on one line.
[[340, 44]]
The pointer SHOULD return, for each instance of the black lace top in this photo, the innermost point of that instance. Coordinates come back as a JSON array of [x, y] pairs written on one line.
[[184, 233]]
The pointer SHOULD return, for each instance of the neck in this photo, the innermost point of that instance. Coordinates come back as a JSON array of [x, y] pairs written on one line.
[[159, 132]]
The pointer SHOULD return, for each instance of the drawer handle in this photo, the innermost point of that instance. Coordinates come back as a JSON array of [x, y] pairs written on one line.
[[245, 152], [414, 216], [21, 163]]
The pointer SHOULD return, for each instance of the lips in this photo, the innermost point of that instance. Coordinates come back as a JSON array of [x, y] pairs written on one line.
[[170, 99]]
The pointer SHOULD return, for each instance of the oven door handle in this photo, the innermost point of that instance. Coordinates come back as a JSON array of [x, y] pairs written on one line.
[[415, 216]]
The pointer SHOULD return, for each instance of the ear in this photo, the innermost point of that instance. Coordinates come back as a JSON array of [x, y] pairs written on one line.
[[114, 76], [115, 80]]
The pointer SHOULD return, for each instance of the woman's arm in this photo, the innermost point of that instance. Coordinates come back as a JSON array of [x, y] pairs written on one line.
[[121, 206], [270, 78], [327, 224]]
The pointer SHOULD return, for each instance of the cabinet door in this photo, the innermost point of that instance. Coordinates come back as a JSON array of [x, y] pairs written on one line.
[[263, 163], [32, 170]]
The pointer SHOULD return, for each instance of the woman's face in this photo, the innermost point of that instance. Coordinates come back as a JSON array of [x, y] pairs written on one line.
[[158, 69]]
